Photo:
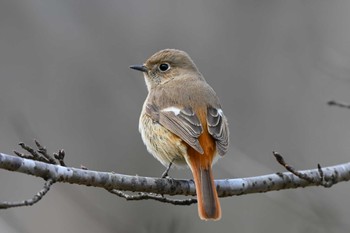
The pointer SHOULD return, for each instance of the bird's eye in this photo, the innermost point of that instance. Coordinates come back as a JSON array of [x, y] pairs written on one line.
[[164, 67]]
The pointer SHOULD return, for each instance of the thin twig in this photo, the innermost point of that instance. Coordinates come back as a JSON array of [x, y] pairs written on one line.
[[289, 168], [60, 157], [41, 154], [36, 155], [26, 156], [338, 104], [318, 180], [43, 151], [37, 197], [152, 196]]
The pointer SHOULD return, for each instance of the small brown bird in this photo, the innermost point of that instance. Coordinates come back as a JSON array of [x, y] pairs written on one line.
[[182, 122]]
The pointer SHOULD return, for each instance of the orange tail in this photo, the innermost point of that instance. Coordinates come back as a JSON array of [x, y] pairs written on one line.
[[200, 164], [207, 197]]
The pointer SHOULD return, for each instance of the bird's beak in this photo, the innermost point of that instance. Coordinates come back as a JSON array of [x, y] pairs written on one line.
[[141, 68]]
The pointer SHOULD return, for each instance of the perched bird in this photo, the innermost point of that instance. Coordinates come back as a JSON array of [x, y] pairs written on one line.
[[182, 122]]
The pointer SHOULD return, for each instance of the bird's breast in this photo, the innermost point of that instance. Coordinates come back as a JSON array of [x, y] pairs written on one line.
[[161, 143]]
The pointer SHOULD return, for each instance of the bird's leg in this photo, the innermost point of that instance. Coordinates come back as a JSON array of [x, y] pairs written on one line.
[[165, 173]]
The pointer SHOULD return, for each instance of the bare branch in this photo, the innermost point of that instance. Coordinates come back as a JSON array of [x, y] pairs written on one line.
[[36, 155], [60, 157], [320, 180], [41, 154], [53, 169], [152, 196], [226, 187], [37, 197], [43, 151], [338, 104]]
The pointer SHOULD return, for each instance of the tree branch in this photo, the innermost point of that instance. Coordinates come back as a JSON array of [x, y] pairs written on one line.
[[53, 169], [152, 196], [338, 104], [37, 197], [225, 187]]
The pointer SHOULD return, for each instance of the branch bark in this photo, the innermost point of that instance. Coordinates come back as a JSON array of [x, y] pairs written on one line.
[[225, 187]]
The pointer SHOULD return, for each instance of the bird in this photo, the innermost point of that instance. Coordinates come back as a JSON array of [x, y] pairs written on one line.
[[182, 122]]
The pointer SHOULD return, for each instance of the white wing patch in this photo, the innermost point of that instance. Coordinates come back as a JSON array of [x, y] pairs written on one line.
[[220, 112], [175, 110]]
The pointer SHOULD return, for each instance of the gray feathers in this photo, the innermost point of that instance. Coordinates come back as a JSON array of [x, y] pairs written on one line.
[[185, 124]]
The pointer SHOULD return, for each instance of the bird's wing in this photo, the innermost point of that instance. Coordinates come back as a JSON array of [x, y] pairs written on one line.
[[218, 128], [182, 122]]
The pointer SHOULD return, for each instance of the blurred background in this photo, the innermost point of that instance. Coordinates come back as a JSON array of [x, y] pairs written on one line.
[[64, 80]]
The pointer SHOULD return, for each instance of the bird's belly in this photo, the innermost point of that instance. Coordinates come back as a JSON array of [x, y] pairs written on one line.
[[161, 143]]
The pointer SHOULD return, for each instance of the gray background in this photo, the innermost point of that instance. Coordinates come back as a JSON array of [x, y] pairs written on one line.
[[64, 80]]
